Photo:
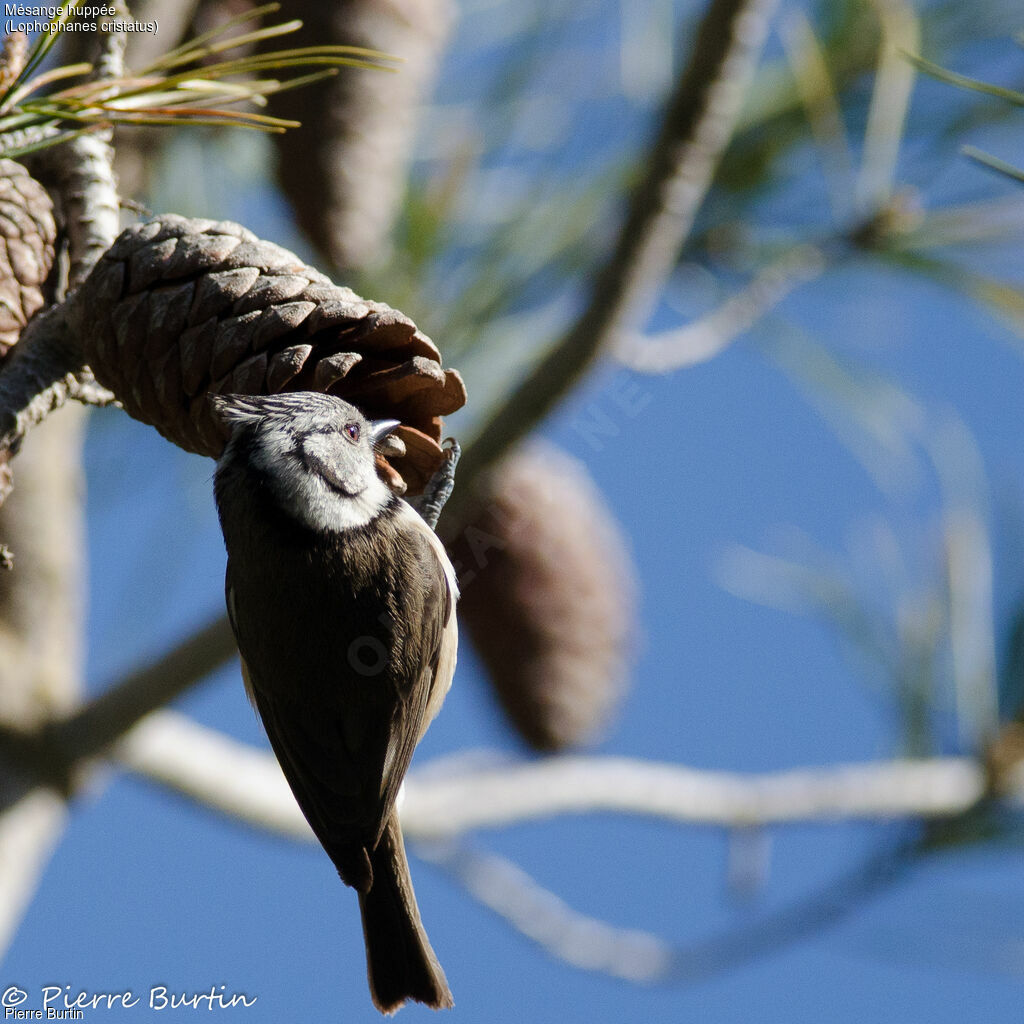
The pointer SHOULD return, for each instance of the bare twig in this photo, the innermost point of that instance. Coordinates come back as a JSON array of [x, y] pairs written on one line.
[[545, 918], [696, 127], [219, 772], [236, 779], [640, 956], [41, 373], [29, 833], [708, 337], [495, 797], [92, 728], [40, 650]]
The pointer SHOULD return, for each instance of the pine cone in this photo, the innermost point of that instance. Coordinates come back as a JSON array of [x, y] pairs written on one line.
[[178, 308], [344, 170], [548, 597], [27, 235]]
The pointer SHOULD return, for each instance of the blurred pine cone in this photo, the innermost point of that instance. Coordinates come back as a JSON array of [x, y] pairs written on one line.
[[548, 597], [177, 308], [27, 235], [345, 169]]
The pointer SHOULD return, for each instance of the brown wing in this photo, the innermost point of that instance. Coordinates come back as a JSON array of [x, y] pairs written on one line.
[[345, 737], [423, 658]]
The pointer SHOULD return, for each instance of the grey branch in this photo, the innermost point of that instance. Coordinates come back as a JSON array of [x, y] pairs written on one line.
[[40, 647], [95, 726], [84, 168], [91, 207], [640, 956], [447, 800], [545, 918], [217, 771], [29, 833], [38, 376], [709, 336], [46, 368], [496, 797], [41, 373], [697, 125]]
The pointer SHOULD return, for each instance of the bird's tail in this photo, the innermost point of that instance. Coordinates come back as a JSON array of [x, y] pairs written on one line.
[[400, 962]]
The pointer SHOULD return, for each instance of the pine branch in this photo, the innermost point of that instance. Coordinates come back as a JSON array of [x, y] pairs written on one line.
[[95, 726], [444, 800], [697, 125]]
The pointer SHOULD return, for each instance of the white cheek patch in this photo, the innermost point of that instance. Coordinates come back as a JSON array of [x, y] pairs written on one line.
[[306, 495], [325, 509]]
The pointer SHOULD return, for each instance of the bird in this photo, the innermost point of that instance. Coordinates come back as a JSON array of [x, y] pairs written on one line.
[[342, 602]]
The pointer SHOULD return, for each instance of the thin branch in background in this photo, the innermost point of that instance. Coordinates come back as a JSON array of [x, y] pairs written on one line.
[[708, 337], [96, 725], [29, 833], [493, 798], [546, 919], [221, 773], [640, 956], [442, 802], [698, 122]]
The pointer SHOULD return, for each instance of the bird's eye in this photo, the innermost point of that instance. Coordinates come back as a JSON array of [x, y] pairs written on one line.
[[352, 431]]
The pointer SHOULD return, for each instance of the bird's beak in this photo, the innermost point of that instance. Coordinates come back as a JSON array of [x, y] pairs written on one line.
[[379, 429]]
